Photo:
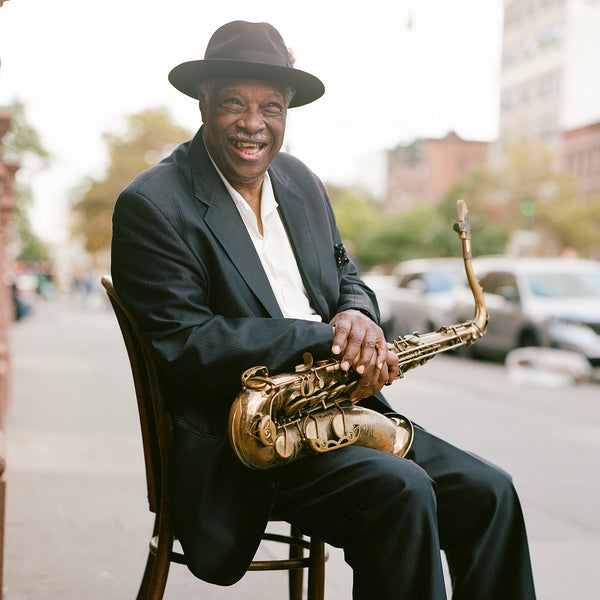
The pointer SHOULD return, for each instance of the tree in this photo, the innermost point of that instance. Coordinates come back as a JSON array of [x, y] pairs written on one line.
[[355, 212], [148, 136], [22, 144], [541, 198], [489, 231]]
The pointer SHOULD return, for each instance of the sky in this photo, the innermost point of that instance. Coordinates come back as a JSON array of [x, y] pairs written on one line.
[[393, 70]]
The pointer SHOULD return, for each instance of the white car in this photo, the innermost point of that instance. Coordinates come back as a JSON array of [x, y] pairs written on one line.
[[550, 302], [423, 299], [384, 287]]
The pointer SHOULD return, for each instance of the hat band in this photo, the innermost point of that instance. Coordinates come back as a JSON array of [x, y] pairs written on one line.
[[255, 56]]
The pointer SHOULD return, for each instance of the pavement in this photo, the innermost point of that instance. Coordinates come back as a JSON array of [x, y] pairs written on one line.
[[77, 524]]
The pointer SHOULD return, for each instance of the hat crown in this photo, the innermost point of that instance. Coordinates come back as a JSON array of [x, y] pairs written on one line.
[[244, 50], [249, 42]]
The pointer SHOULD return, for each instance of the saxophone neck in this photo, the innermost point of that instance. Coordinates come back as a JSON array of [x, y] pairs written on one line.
[[416, 349], [463, 228]]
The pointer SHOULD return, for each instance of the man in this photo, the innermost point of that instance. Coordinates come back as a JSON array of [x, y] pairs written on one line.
[[228, 256]]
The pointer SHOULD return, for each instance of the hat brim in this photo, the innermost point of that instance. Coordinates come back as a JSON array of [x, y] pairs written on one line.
[[186, 77]]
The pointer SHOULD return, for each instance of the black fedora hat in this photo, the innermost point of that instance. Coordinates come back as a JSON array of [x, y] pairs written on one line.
[[248, 51]]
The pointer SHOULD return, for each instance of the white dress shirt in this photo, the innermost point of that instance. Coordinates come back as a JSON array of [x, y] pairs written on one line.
[[275, 252]]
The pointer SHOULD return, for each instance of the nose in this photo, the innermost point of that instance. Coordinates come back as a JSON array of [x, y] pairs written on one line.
[[251, 120]]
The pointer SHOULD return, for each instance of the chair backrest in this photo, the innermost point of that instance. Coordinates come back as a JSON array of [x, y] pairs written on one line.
[[155, 421]]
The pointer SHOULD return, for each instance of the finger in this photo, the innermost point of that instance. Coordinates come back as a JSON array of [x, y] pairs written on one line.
[[357, 353], [382, 353], [374, 348], [367, 355], [341, 330], [393, 366], [353, 342], [370, 383]]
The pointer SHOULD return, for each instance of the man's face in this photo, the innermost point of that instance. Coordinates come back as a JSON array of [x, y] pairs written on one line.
[[244, 125]]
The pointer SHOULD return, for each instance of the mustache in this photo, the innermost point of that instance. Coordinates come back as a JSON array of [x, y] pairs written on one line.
[[249, 139]]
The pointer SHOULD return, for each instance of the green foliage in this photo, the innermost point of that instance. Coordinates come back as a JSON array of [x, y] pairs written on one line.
[[35, 250], [528, 193], [381, 239], [22, 144], [355, 212], [488, 233], [148, 136], [536, 196], [574, 224]]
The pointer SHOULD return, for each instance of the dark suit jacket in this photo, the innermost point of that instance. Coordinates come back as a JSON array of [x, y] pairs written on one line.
[[184, 265]]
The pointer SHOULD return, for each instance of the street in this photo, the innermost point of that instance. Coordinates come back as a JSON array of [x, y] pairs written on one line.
[[77, 524]]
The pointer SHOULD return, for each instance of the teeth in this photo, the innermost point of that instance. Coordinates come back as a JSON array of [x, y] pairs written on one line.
[[247, 145]]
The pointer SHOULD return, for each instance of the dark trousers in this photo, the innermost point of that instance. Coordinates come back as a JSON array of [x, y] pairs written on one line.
[[392, 516]]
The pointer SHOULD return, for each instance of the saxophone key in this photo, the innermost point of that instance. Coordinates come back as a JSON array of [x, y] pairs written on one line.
[[311, 430], [266, 430], [317, 399], [345, 436], [295, 406], [284, 446]]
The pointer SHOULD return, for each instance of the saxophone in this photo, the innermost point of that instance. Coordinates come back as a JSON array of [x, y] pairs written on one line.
[[276, 419]]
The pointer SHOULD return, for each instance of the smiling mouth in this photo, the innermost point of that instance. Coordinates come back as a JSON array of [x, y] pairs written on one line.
[[247, 148]]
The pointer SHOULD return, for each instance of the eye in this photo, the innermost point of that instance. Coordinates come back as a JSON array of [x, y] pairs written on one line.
[[232, 103], [273, 108]]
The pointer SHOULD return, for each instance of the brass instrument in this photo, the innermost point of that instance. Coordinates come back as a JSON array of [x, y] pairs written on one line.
[[276, 419]]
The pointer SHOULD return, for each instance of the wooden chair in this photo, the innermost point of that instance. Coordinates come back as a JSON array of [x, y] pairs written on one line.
[[156, 438]]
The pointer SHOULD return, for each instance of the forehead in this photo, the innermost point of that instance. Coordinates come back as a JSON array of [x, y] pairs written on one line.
[[249, 86]]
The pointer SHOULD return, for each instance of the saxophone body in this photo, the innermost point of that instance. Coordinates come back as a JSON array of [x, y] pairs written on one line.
[[276, 419]]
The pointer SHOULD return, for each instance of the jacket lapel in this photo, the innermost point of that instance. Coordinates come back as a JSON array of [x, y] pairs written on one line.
[[224, 221], [292, 209]]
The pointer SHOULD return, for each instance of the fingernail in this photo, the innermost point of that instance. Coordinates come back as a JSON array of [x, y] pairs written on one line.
[[360, 370], [345, 365], [336, 349]]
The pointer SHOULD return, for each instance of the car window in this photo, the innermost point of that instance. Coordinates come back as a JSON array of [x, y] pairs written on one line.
[[413, 281], [441, 281], [565, 285], [432, 282], [498, 281]]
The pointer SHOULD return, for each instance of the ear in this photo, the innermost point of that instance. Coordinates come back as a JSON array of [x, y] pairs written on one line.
[[202, 107]]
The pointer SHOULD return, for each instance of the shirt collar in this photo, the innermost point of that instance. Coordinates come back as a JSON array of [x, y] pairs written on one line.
[[267, 200]]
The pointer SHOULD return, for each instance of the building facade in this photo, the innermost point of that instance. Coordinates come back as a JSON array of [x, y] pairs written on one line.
[[550, 82], [549, 92], [422, 171], [581, 157]]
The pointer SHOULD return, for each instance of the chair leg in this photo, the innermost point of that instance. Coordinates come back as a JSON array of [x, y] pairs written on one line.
[[144, 591], [154, 581], [316, 571], [145, 585], [296, 576]]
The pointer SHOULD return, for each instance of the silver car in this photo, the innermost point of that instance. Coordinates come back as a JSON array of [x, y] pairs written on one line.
[[551, 302]]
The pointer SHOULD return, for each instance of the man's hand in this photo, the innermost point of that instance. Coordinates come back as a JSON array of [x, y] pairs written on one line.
[[358, 343]]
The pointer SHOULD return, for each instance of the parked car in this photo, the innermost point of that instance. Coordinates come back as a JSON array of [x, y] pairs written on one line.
[[423, 298], [550, 302], [384, 287]]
